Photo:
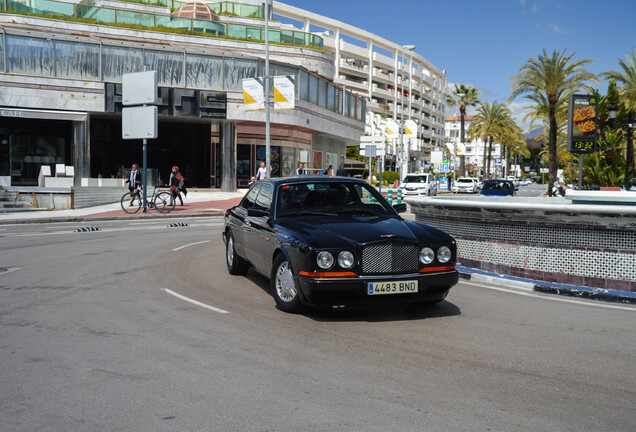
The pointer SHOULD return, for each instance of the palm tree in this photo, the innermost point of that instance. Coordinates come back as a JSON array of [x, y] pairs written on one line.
[[491, 120], [551, 80], [627, 92], [463, 96]]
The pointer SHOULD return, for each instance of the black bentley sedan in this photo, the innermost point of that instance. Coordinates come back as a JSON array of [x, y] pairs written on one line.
[[336, 242]]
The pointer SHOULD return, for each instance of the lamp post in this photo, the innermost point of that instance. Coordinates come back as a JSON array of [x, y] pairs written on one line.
[[629, 157], [402, 157]]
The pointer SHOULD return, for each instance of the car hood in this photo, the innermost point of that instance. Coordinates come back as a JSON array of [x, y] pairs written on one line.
[[338, 232]]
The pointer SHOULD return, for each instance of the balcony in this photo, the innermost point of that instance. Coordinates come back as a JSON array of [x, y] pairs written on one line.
[[380, 76], [383, 61], [350, 67], [381, 92], [347, 49]]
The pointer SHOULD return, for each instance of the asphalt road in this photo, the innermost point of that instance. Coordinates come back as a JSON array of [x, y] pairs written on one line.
[[139, 327]]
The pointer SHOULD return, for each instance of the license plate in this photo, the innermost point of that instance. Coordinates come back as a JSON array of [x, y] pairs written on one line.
[[399, 287]]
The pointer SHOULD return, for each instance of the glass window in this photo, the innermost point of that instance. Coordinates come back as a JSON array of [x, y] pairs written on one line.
[[243, 166], [235, 71], [169, 66], [76, 60], [313, 89], [204, 72], [117, 61], [264, 199], [322, 93], [29, 55], [303, 85], [331, 97], [250, 198], [136, 18], [1, 53]]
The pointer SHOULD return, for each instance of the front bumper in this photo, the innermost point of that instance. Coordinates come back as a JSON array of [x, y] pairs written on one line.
[[353, 292]]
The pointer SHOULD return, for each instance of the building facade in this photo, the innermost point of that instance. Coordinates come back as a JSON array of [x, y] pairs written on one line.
[[61, 68], [474, 153]]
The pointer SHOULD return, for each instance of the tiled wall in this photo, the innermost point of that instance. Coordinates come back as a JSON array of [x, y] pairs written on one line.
[[594, 250]]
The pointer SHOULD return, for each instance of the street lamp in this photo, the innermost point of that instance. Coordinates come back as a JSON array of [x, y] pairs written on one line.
[[629, 158], [462, 158], [402, 157]]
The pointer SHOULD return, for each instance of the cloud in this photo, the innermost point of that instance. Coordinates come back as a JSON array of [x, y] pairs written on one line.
[[555, 28], [519, 111]]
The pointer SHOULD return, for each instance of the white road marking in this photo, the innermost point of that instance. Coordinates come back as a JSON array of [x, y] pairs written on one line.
[[190, 244], [596, 303], [10, 269], [198, 303]]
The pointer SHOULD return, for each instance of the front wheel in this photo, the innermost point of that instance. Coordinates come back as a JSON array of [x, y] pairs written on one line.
[[131, 206], [235, 264], [164, 202], [284, 286]]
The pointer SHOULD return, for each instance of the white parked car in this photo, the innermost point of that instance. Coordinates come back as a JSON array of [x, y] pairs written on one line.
[[466, 185], [419, 184], [514, 180]]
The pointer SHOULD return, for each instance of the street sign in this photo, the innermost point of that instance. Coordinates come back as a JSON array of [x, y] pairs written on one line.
[[372, 139], [445, 167], [139, 88], [378, 149]]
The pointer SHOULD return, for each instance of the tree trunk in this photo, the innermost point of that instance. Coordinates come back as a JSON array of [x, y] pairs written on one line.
[[552, 145], [485, 173], [462, 158], [489, 153]]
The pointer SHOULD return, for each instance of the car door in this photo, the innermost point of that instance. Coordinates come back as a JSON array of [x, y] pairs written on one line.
[[238, 220], [259, 232]]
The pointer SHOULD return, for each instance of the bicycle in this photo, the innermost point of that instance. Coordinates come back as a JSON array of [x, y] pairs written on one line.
[[161, 200]]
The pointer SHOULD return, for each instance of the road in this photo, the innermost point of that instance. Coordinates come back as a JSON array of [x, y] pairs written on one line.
[[139, 327]]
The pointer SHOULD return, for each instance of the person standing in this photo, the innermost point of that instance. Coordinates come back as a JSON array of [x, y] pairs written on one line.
[[329, 171], [301, 170], [261, 174], [340, 172], [177, 184], [134, 182]]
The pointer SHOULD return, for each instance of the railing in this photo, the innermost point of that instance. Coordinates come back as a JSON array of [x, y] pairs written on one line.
[[107, 15]]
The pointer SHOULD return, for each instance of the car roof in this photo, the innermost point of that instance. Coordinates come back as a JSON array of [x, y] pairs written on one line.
[[309, 179]]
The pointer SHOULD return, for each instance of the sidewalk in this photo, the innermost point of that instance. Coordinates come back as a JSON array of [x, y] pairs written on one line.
[[208, 202]]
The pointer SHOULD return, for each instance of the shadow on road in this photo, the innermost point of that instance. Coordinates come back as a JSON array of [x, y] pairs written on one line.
[[375, 313]]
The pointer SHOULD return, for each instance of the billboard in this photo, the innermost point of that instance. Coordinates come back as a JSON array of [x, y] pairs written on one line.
[[582, 123]]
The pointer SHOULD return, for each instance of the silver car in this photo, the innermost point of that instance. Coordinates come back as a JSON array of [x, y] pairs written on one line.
[[466, 185]]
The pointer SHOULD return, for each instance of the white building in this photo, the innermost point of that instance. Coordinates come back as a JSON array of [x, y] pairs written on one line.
[[378, 69], [474, 154]]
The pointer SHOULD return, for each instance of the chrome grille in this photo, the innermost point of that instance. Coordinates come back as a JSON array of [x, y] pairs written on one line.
[[390, 257]]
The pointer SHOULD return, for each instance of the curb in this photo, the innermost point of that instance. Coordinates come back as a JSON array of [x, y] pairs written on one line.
[[109, 218], [612, 296]]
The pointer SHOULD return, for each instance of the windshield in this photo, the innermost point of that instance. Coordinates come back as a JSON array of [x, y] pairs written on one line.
[[465, 181], [329, 198], [414, 179]]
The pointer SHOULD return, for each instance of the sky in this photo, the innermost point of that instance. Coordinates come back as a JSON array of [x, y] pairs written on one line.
[[484, 43]]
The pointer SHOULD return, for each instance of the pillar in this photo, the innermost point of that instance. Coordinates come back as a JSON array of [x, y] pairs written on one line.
[[228, 156]]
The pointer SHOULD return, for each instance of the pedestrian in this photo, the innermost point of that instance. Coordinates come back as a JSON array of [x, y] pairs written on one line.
[[329, 171], [301, 169], [340, 172], [177, 184], [252, 182], [134, 182], [261, 174]]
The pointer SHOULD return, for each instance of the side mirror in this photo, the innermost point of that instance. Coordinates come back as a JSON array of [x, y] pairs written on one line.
[[400, 208], [257, 212]]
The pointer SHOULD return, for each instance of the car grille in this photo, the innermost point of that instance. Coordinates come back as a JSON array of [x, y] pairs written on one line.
[[390, 257]]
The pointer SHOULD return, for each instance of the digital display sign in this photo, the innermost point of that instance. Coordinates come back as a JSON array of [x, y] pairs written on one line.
[[582, 123]]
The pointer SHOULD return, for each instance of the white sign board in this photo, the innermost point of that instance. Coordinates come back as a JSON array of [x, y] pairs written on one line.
[[139, 88], [284, 92], [139, 122], [379, 139], [253, 95], [372, 150], [436, 157]]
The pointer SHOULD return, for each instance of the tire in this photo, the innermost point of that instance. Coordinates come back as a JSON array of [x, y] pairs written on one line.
[[129, 207], [235, 264], [284, 286], [164, 202]]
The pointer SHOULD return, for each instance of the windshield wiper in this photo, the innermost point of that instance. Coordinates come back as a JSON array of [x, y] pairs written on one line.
[[361, 211], [306, 213]]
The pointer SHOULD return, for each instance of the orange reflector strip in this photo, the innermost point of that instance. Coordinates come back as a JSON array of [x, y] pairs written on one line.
[[328, 274], [437, 269]]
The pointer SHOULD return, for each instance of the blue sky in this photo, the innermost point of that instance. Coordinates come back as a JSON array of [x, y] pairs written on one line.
[[483, 43]]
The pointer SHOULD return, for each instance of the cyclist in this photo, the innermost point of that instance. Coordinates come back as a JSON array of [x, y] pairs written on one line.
[[134, 182]]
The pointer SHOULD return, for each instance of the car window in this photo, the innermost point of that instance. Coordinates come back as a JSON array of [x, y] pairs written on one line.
[[264, 198], [414, 179], [328, 198], [250, 198]]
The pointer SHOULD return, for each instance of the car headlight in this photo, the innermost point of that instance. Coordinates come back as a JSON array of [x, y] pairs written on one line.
[[427, 255], [324, 260], [443, 254], [345, 259]]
